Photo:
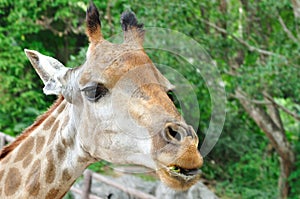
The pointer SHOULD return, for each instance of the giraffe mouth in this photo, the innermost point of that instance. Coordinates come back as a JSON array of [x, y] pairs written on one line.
[[184, 174], [179, 178]]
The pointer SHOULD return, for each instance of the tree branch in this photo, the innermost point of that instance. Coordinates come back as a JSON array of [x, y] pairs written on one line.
[[241, 41], [274, 113], [287, 31], [269, 101], [264, 121], [46, 22], [108, 16], [258, 102], [296, 8], [294, 115]]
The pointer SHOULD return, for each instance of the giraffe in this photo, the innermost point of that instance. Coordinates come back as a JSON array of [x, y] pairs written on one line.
[[113, 107]]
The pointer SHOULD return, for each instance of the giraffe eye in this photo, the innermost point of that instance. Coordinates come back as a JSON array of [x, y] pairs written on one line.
[[94, 93]]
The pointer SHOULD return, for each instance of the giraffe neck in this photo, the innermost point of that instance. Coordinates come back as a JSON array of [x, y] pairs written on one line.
[[45, 162]]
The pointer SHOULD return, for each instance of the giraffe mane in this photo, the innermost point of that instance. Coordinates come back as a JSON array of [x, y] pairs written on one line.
[[6, 150]]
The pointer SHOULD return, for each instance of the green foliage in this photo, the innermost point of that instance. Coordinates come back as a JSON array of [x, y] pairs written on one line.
[[246, 168], [250, 175], [99, 166], [68, 196], [295, 176]]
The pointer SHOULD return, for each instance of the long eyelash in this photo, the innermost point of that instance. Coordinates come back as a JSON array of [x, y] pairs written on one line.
[[95, 92]]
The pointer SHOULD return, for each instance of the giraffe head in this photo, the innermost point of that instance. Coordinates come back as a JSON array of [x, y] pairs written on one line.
[[121, 111]]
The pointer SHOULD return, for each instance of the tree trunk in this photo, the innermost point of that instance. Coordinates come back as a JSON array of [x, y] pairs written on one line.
[[276, 135], [222, 22], [273, 112], [296, 8], [205, 15]]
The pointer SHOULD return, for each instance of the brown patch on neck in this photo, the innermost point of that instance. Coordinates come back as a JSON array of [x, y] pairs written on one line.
[[52, 193], [6, 150], [12, 181]]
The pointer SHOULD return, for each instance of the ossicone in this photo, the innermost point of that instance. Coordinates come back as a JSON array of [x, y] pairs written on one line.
[[133, 31], [93, 24]]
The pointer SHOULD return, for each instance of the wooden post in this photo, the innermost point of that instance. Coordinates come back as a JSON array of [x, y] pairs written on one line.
[[87, 184], [2, 141]]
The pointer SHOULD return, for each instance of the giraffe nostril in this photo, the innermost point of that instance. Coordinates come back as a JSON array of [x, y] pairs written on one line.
[[173, 134]]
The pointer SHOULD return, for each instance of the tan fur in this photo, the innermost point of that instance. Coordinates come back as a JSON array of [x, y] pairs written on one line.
[[40, 142], [28, 158], [49, 123], [54, 127], [52, 193], [27, 161], [33, 182], [12, 182], [66, 176], [51, 168], [60, 152], [1, 174], [26, 148]]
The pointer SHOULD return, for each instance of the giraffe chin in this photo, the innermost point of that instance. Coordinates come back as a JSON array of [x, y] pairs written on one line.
[[178, 178]]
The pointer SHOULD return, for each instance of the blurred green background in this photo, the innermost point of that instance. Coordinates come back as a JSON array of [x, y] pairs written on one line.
[[255, 44]]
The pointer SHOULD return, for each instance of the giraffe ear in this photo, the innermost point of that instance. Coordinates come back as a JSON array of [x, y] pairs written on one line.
[[50, 70]]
